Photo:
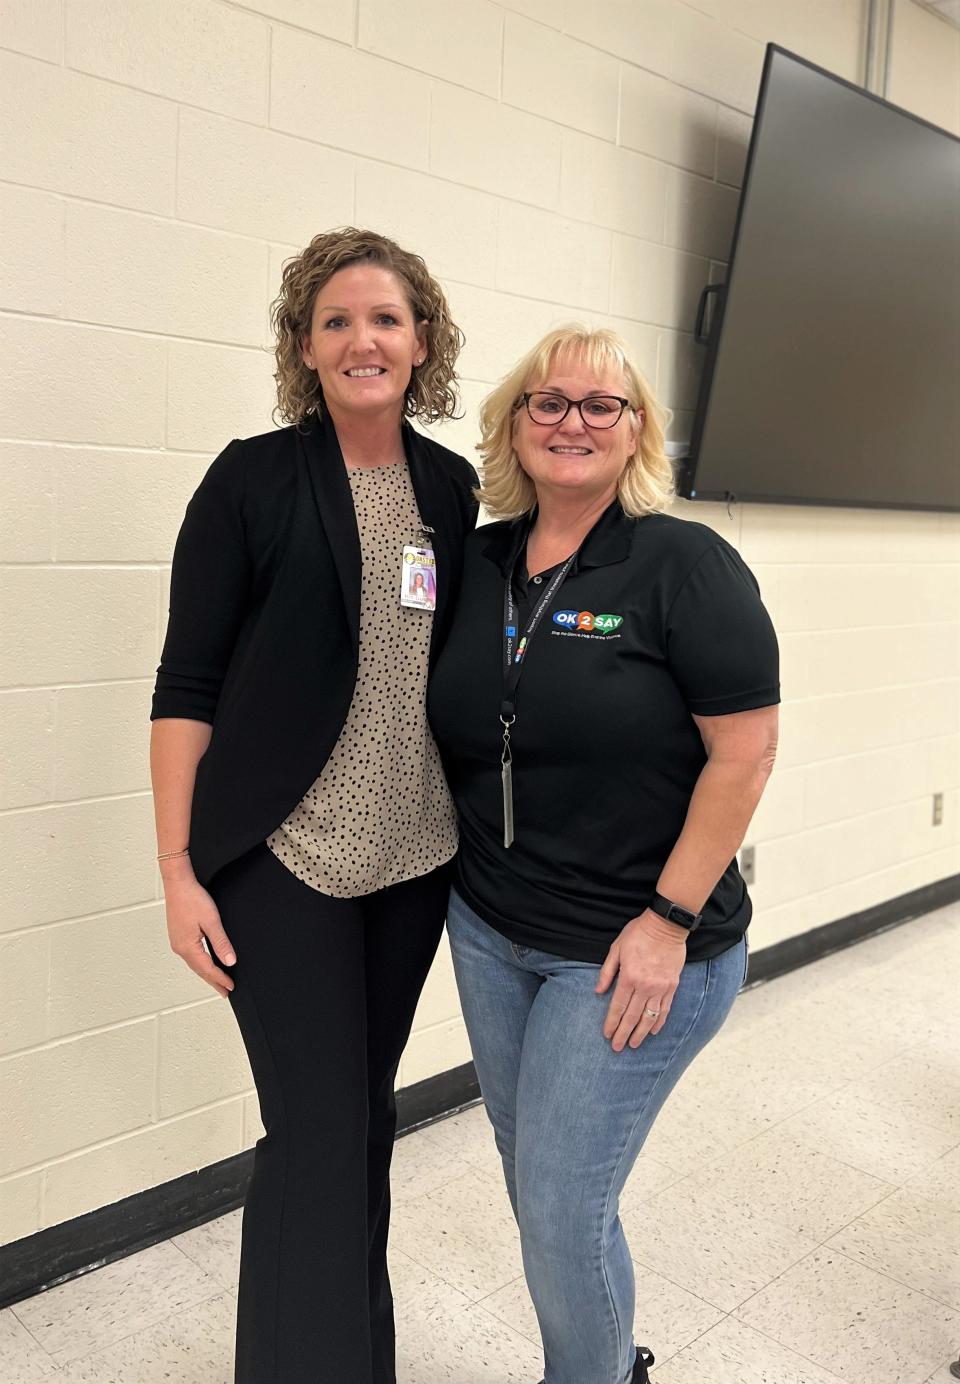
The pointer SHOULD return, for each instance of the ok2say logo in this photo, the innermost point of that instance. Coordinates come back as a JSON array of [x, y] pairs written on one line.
[[587, 621]]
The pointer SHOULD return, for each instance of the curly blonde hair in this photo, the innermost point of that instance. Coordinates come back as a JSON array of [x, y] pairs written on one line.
[[432, 392], [646, 484]]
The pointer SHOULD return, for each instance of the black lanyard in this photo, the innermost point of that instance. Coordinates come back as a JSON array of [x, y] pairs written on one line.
[[515, 653]]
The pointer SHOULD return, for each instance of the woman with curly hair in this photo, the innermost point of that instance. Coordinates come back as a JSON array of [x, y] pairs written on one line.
[[304, 824], [606, 707]]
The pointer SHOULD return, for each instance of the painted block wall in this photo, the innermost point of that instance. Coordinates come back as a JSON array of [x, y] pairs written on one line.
[[551, 159]]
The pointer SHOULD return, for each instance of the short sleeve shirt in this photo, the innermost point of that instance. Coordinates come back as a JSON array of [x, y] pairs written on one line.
[[659, 619], [380, 811]]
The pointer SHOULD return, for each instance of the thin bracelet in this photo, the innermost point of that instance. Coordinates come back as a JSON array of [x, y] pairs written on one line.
[[173, 855]]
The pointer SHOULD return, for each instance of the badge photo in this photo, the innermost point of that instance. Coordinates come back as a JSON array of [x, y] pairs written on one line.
[[418, 584]]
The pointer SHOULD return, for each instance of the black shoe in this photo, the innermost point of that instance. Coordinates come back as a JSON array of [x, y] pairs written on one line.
[[644, 1358], [644, 1361]]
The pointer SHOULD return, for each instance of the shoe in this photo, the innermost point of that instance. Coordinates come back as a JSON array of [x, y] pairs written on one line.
[[644, 1361], [645, 1358]]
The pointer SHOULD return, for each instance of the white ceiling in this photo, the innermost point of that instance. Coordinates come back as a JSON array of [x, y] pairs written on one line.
[[946, 9]]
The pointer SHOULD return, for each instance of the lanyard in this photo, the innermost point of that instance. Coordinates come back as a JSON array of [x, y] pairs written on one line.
[[514, 653]]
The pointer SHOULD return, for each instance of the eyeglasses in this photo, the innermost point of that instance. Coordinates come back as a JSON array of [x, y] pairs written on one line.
[[598, 411]]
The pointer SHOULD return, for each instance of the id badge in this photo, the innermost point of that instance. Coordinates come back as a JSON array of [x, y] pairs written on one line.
[[418, 583]]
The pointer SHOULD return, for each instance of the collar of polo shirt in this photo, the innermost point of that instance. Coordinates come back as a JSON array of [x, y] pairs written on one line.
[[607, 542]]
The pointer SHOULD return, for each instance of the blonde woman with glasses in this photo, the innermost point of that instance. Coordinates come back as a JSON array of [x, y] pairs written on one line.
[[606, 707]]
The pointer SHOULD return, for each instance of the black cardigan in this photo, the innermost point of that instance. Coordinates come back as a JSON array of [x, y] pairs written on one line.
[[263, 636]]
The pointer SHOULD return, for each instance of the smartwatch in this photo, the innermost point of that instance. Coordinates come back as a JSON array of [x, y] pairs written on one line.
[[674, 913]]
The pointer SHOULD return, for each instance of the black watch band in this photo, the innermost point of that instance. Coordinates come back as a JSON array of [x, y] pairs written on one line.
[[674, 913]]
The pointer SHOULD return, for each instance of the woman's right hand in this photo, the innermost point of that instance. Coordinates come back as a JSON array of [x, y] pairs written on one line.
[[192, 916]]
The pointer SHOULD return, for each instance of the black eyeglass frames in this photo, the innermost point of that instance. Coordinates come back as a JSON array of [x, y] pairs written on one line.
[[597, 410]]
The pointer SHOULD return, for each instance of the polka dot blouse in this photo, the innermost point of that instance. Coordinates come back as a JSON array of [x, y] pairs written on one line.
[[380, 812]]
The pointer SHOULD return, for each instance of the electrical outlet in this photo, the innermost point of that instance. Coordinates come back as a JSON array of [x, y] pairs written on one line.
[[937, 809], [748, 864]]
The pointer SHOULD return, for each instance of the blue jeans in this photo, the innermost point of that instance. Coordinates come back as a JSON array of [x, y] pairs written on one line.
[[570, 1116]]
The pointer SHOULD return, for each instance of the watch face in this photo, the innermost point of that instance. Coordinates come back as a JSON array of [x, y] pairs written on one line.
[[674, 912], [681, 915]]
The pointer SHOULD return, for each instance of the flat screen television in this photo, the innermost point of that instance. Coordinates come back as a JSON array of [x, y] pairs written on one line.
[[832, 372]]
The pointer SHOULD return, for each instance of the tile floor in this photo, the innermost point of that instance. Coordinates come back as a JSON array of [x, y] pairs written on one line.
[[795, 1217]]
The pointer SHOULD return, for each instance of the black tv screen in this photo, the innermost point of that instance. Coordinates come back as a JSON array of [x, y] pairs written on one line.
[[833, 362]]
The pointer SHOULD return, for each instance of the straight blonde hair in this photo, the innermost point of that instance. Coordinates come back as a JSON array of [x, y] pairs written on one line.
[[646, 485]]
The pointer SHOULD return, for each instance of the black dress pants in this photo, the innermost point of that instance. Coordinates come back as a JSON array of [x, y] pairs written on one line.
[[325, 996]]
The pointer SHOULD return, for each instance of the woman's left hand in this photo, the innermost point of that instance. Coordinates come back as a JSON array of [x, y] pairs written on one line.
[[649, 956]]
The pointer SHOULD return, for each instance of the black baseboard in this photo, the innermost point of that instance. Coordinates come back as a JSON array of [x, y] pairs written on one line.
[[790, 955], [65, 1251], [41, 1261]]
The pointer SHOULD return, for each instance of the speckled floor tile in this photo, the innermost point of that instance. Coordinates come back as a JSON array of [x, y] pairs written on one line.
[[821, 996], [924, 1088], [93, 1312], [720, 1250], [794, 1185], [941, 1181], [817, 1025], [215, 1247], [885, 1143], [420, 1297], [468, 1136], [826, 1092], [890, 1004], [22, 1360], [788, 993], [878, 961], [471, 1348], [666, 1319], [422, 1163], [943, 1375], [647, 1177], [910, 1239], [759, 1083], [753, 1095], [940, 1037], [690, 1131], [906, 1009], [854, 1002], [465, 1232], [680, 1149], [191, 1347], [849, 1319], [732, 1353], [511, 1304]]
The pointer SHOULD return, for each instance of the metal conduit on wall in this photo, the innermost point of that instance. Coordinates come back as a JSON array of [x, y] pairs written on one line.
[[876, 67]]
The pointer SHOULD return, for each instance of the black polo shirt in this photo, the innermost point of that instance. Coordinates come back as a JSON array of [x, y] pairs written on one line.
[[658, 618]]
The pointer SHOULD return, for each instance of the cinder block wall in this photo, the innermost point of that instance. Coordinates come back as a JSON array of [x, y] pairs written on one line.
[[551, 160]]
